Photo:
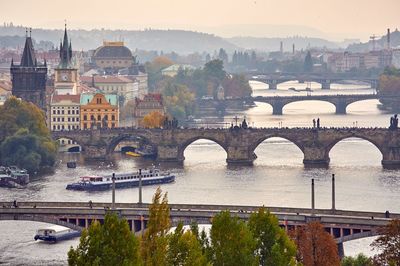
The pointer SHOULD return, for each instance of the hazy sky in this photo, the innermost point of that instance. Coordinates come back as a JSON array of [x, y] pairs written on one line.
[[335, 18]]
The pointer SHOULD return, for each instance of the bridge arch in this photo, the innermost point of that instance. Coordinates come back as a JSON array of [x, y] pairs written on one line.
[[328, 103], [184, 145], [115, 141], [358, 136], [74, 144], [41, 219], [258, 141]]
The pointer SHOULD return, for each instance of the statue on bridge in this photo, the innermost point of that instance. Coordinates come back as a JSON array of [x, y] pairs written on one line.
[[394, 122], [170, 124]]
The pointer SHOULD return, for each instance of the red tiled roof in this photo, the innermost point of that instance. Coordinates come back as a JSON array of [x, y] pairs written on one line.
[[73, 98]]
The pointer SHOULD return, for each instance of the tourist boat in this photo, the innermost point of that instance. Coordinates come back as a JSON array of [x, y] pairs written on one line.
[[55, 233], [13, 177], [133, 154], [148, 176]]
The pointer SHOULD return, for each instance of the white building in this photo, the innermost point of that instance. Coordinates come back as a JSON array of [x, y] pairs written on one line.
[[64, 112]]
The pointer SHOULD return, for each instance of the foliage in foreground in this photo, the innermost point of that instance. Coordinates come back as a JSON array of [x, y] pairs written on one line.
[[389, 244], [359, 260], [25, 141]]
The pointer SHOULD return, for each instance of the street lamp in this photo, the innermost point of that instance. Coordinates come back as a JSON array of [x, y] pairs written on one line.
[[140, 186], [113, 192]]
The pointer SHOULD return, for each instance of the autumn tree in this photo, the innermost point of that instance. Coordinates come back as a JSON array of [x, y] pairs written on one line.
[[389, 244], [178, 99], [359, 260], [236, 86], [154, 68], [109, 244], [25, 140], [274, 247], [184, 248], [315, 247], [154, 244], [308, 63], [153, 119], [389, 85], [232, 243]]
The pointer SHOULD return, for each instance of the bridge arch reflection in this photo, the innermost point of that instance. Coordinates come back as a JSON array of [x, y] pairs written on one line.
[[202, 140]]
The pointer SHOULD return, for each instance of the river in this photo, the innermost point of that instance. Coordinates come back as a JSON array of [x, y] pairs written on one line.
[[278, 177]]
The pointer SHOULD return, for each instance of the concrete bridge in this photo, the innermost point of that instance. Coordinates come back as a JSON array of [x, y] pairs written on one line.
[[341, 224], [339, 101], [239, 144], [273, 79]]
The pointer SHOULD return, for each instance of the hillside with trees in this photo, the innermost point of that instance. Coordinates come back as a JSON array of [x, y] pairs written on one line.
[[389, 85]]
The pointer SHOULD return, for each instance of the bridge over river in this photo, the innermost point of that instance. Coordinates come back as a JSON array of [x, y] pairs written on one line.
[[343, 225], [239, 144]]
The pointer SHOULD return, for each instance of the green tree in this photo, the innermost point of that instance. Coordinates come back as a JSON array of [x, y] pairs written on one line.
[[389, 244], [215, 70], [231, 241], [308, 63], [154, 242], [25, 140], [274, 247], [109, 244], [359, 260], [184, 248], [178, 99]]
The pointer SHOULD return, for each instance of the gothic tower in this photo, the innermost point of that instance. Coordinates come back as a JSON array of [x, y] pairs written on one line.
[[29, 77], [66, 74]]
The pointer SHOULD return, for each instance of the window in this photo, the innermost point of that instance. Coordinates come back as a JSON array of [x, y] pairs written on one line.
[[54, 112], [84, 125], [113, 125], [77, 112], [58, 112], [54, 127], [113, 117], [62, 112], [77, 119], [84, 117], [69, 112], [98, 117], [92, 118], [106, 117]]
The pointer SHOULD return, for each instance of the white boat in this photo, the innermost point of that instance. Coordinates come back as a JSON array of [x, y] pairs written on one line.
[[55, 233], [148, 176]]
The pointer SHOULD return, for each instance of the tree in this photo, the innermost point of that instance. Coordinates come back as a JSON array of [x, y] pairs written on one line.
[[360, 260], [109, 244], [308, 63], [237, 86], [25, 140], [215, 70], [389, 243], [231, 241], [389, 85], [184, 248], [274, 247], [315, 247], [178, 99], [154, 119], [154, 244]]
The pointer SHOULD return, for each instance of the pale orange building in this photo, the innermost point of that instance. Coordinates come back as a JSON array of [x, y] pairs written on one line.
[[99, 110]]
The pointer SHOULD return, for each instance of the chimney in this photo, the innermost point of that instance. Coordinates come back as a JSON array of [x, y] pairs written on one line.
[[281, 47], [388, 39], [293, 49], [93, 83]]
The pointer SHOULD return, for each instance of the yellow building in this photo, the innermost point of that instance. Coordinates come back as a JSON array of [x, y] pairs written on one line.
[[99, 110]]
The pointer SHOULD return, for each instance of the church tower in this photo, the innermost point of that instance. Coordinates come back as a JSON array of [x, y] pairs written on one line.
[[29, 77], [66, 74]]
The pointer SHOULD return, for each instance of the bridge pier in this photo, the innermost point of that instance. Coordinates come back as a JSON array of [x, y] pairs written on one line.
[[240, 155], [315, 156], [340, 250], [272, 85], [277, 108], [95, 152], [391, 155], [169, 153], [341, 108], [326, 84]]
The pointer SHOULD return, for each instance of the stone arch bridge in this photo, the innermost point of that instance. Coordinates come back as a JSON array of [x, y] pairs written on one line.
[[239, 144], [339, 101]]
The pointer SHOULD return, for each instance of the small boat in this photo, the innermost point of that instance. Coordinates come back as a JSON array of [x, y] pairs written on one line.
[[147, 151], [133, 154], [124, 180], [71, 164], [55, 233], [13, 177]]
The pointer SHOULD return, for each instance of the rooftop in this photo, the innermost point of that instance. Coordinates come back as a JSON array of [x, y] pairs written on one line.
[[105, 79], [64, 98], [87, 98]]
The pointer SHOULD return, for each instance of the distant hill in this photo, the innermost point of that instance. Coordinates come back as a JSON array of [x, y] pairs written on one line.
[[273, 44], [379, 43], [160, 40]]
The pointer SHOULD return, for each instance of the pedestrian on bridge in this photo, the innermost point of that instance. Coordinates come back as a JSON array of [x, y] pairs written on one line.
[[318, 124], [314, 123]]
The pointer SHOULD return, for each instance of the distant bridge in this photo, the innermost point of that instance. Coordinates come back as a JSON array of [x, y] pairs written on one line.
[[239, 144], [340, 101], [273, 79], [341, 224]]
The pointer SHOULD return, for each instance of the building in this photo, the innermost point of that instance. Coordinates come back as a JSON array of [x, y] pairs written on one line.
[[127, 89], [29, 77], [66, 74], [173, 70], [113, 55], [64, 112], [99, 110], [151, 102]]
